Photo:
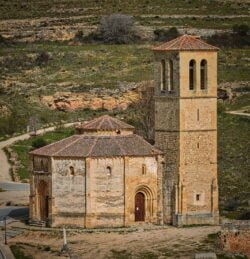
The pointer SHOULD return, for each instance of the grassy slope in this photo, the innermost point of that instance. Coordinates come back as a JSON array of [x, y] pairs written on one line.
[[98, 65], [57, 8]]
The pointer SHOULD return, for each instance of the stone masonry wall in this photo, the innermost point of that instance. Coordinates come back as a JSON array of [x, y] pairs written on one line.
[[68, 192], [105, 192], [141, 175]]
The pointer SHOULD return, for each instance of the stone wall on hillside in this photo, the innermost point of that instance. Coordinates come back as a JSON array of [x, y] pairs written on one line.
[[235, 236]]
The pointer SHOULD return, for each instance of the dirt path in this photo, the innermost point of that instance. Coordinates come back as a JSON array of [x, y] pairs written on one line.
[[16, 193], [168, 242], [4, 165], [241, 113]]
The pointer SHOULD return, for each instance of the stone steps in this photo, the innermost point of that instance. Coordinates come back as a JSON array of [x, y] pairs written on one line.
[[37, 223]]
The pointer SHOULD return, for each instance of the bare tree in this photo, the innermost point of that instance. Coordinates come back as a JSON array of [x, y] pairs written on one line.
[[117, 28], [145, 109]]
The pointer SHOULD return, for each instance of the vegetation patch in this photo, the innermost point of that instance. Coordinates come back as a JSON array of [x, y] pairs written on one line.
[[18, 252]]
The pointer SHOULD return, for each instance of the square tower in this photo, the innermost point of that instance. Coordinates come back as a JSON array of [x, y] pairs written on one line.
[[186, 129]]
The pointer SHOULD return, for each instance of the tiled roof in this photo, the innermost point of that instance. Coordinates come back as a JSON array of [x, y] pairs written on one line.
[[105, 122], [185, 42], [98, 146]]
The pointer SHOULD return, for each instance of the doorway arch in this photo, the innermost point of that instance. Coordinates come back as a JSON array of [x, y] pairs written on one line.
[[143, 210]]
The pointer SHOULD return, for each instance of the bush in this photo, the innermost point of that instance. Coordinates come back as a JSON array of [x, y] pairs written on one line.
[[166, 35], [241, 30], [232, 205], [244, 216], [39, 142], [117, 29], [238, 39], [42, 58]]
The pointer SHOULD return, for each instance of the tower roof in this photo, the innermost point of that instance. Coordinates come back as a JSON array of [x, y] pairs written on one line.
[[185, 42], [105, 123]]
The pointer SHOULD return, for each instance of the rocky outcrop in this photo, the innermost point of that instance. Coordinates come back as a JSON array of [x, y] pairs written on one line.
[[95, 99], [230, 90]]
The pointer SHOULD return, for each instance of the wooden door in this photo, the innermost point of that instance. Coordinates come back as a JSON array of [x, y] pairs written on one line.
[[44, 207], [139, 207]]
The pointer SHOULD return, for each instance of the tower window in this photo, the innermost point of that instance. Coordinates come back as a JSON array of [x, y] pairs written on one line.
[[203, 68], [144, 169], [192, 73], [198, 114], [163, 75], [198, 197], [171, 75]]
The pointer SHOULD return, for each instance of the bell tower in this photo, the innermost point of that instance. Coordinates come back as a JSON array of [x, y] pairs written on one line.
[[186, 129]]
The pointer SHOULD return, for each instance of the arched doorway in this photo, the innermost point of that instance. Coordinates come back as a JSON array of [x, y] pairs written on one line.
[[139, 207], [43, 200]]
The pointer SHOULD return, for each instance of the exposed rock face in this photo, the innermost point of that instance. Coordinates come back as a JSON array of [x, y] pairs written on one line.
[[95, 99], [49, 29]]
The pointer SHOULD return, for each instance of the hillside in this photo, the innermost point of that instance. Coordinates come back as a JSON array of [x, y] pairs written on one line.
[[47, 73]]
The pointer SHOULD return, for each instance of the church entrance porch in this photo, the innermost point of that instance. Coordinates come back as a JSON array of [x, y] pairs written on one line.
[[139, 207]]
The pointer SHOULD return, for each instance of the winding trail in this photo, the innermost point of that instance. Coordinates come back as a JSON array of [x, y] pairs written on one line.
[[4, 164]]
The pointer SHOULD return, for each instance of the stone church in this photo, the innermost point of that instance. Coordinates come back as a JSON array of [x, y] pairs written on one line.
[[107, 176]]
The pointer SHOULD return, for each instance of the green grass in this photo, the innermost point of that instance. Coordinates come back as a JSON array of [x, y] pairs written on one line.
[[87, 66], [95, 65], [34, 9], [192, 22], [233, 159], [22, 148], [233, 65]]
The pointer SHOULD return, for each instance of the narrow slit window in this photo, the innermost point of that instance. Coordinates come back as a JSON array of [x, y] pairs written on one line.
[[163, 75], [171, 75], [109, 171], [144, 169], [72, 170], [198, 114], [192, 72], [203, 72], [198, 197]]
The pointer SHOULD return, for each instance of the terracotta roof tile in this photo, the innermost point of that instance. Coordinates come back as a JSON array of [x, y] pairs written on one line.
[[99, 146], [185, 42], [105, 122]]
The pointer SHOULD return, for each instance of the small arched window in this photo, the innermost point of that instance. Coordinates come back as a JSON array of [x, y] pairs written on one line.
[[192, 73], [72, 170], [203, 67], [171, 75], [163, 75], [108, 171]]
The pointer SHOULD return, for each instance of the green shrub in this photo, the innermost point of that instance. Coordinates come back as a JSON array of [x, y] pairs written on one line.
[[39, 142], [166, 35]]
